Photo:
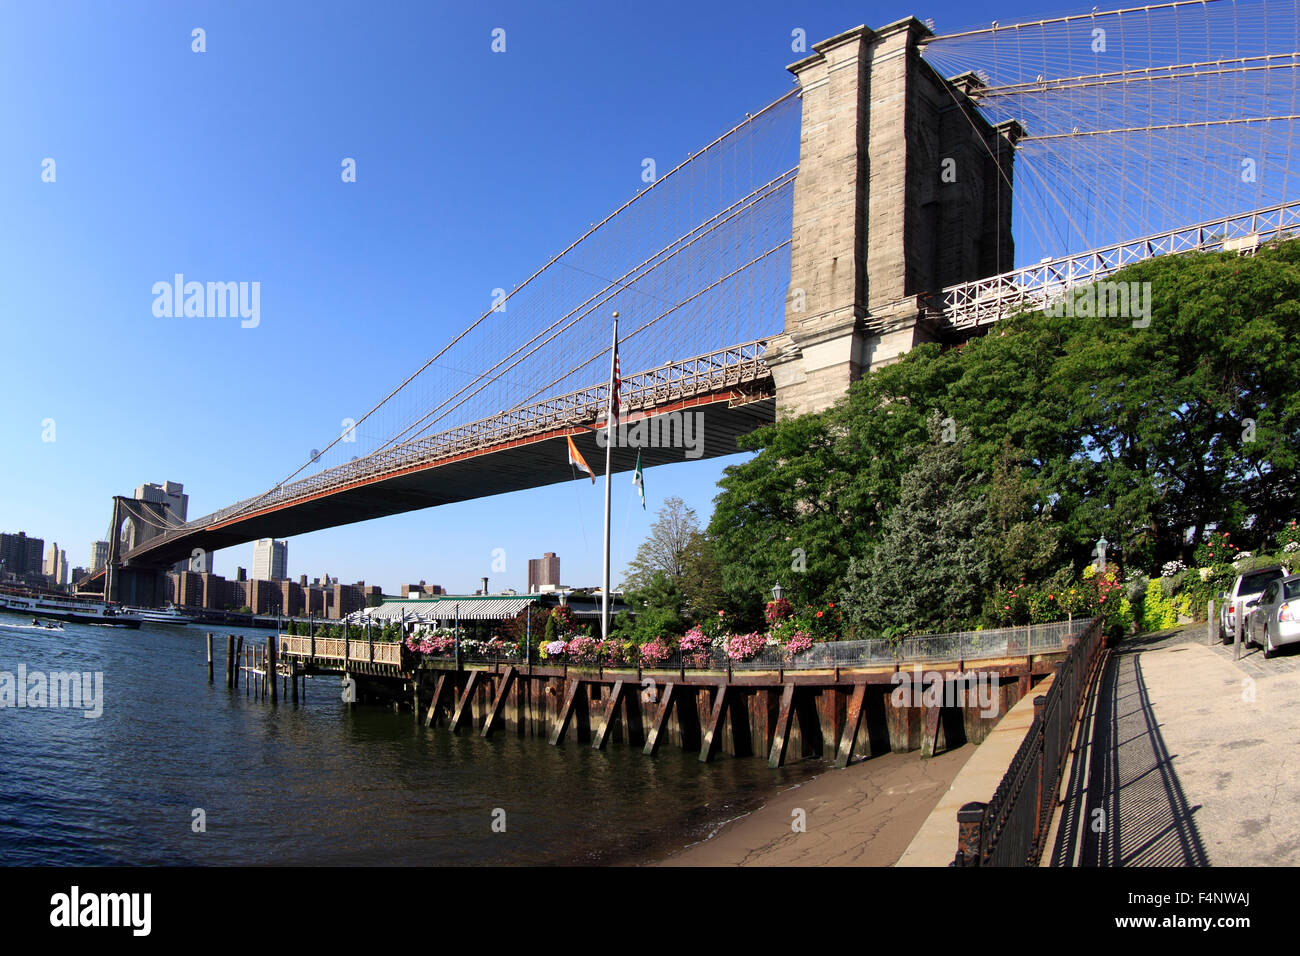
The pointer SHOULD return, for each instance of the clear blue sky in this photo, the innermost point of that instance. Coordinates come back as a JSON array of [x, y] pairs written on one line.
[[472, 167]]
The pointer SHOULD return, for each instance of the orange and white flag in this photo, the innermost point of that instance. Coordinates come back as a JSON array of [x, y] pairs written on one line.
[[577, 461]]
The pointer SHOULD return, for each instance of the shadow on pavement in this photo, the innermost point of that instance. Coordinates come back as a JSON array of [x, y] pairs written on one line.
[[1144, 817]]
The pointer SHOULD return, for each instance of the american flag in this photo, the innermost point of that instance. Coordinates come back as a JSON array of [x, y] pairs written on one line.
[[615, 379], [615, 385]]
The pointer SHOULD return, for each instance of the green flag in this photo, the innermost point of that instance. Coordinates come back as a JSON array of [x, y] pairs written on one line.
[[638, 479]]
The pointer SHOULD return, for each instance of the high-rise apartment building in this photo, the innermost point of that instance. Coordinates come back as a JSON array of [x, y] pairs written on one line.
[[21, 554], [172, 495], [56, 566], [270, 560], [543, 573], [98, 555]]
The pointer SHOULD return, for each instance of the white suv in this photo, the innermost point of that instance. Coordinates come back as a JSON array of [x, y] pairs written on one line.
[[1246, 586]]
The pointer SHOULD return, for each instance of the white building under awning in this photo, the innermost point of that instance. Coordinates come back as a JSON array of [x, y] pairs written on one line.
[[444, 609]]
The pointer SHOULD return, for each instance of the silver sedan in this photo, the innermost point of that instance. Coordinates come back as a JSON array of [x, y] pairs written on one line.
[[1274, 617]]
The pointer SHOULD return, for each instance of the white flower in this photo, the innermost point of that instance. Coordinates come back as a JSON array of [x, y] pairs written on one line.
[[1171, 568], [1292, 546], [1205, 573], [1242, 557]]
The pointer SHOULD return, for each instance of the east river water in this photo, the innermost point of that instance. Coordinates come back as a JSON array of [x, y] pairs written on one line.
[[318, 783]]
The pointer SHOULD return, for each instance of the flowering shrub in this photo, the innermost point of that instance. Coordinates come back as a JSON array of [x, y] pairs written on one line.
[[778, 610], [616, 652], [799, 643], [555, 648], [715, 625], [695, 640], [1170, 568], [696, 647], [582, 650], [744, 647], [1291, 547], [437, 643], [1217, 550], [1288, 536], [655, 651], [1242, 556], [1097, 594]]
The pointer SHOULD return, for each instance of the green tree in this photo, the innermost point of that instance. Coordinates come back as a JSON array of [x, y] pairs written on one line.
[[665, 549], [701, 579], [656, 611], [931, 569], [1022, 540]]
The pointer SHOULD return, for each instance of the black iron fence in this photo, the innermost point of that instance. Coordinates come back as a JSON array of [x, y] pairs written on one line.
[[1011, 828]]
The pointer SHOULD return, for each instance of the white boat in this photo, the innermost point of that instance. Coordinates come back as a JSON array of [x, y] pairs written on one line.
[[67, 609], [168, 615], [56, 628]]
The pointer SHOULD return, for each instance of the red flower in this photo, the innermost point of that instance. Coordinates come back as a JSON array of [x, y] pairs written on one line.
[[830, 605], [819, 613]]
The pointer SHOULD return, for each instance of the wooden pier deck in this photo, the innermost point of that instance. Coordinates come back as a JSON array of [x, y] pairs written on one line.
[[837, 712]]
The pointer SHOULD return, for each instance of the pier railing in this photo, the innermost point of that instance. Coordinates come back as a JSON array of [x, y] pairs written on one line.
[[960, 646], [338, 649], [1011, 828]]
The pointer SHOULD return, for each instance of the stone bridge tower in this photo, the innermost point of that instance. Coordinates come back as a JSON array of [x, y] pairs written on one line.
[[135, 583], [903, 189]]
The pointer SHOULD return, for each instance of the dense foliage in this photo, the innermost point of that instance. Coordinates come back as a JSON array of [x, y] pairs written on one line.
[[1069, 429]]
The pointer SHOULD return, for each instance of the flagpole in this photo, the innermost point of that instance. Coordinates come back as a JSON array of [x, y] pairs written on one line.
[[609, 451]]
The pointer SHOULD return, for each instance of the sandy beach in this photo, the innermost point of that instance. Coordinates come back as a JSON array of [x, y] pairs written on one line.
[[865, 815]]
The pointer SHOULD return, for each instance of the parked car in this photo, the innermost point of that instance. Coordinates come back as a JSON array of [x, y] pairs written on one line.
[[1274, 616], [1246, 586]]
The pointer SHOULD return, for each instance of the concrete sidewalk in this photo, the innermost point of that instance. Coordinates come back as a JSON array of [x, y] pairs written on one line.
[[1191, 759]]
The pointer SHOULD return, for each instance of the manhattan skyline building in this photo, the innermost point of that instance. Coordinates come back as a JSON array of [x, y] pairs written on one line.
[[56, 565], [22, 555], [98, 555], [270, 560], [543, 573], [172, 495]]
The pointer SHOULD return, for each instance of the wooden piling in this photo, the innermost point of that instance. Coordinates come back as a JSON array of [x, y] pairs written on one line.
[[239, 657], [499, 704], [611, 715], [209, 657], [776, 758], [661, 720], [230, 661], [712, 733], [852, 722], [464, 708], [293, 679], [438, 688], [272, 669]]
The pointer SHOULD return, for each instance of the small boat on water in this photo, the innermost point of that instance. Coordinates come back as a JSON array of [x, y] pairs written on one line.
[[168, 615], [68, 609], [56, 628]]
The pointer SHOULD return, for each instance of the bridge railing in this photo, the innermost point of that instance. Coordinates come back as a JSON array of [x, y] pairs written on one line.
[[1011, 829], [699, 375], [972, 304]]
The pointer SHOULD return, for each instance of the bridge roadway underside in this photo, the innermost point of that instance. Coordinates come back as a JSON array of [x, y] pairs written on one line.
[[529, 462]]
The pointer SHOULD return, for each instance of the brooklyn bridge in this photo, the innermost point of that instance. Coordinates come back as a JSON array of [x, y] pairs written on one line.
[[910, 188]]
